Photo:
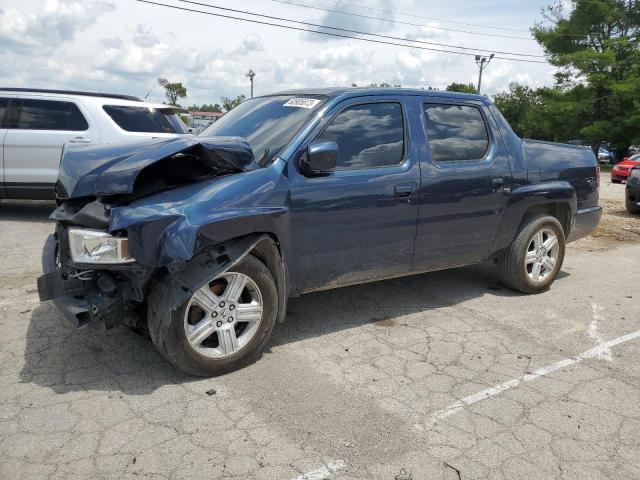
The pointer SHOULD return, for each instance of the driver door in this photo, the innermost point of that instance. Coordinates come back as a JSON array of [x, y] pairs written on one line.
[[357, 223]]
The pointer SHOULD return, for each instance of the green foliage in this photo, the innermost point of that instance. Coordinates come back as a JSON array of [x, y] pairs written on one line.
[[174, 91], [461, 87], [205, 108], [597, 48], [231, 103]]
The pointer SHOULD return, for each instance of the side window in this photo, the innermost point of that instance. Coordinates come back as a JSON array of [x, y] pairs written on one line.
[[142, 119], [4, 103], [368, 136], [50, 115], [455, 132]]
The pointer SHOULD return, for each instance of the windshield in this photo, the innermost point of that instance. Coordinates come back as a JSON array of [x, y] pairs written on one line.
[[267, 123]]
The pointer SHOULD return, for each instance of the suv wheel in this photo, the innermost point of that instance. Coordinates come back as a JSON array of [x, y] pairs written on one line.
[[533, 260], [226, 323]]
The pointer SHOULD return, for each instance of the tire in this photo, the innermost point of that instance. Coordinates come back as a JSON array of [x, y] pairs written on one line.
[[633, 210], [616, 181], [217, 353], [517, 266]]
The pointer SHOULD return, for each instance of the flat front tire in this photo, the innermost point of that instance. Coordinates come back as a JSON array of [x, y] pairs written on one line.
[[225, 324], [534, 258]]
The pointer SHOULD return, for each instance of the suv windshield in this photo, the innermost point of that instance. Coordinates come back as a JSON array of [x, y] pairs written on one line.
[[267, 123]]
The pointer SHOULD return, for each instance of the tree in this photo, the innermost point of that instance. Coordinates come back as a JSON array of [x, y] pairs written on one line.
[[205, 108], [596, 45], [174, 91], [461, 87], [231, 103]]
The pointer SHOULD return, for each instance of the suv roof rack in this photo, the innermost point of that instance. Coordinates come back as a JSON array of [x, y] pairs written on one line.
[[72, 92]]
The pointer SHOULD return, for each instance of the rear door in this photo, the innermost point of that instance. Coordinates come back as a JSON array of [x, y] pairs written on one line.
[[465, 184], [359, 222], [36, 132]]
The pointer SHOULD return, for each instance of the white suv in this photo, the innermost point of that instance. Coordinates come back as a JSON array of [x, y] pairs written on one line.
[[35, 124]]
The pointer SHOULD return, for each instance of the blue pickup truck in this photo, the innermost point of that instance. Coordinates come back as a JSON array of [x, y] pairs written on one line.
[[201, 241]]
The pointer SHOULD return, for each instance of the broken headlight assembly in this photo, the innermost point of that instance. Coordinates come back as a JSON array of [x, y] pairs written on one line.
[[95, 246]]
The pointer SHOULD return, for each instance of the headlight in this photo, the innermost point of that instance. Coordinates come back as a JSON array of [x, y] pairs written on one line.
[[94, 246]]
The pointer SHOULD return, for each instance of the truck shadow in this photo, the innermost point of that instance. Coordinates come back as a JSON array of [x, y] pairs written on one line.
[[26, 210], [64, 359]]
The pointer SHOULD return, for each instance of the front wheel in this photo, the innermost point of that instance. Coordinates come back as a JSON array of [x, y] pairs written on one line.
[[533, 260], [226, 323]]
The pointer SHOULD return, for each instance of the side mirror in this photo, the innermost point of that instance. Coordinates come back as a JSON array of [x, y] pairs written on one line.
[[321, 158]]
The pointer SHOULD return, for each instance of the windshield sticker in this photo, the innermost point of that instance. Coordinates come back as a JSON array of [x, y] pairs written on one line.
[[302, 102]]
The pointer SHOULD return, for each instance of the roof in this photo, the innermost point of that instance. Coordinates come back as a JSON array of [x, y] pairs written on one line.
[[71, 92], [359, 91]]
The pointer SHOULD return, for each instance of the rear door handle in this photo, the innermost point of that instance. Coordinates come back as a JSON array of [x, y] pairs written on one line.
[[79, 140], [404, 190], [497, 184]]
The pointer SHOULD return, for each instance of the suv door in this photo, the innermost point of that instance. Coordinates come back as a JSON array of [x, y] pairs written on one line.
[[357, 223], [37, 130], [465, 184]]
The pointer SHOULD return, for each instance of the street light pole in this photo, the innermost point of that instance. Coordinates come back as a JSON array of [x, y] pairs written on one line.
[[251, 74], [482, 63]]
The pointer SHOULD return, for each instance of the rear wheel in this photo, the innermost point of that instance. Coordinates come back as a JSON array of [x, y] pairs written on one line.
[[616, 181], [226, 323], [533, 260]]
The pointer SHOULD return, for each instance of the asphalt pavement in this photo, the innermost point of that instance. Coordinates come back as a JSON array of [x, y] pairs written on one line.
[[445, 375]]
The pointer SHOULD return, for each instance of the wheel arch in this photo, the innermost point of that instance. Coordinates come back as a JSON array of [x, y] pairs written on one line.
[[557, 199], [172, 288]]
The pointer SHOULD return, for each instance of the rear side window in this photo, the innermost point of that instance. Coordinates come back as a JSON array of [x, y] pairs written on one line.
[[145, 119], [368, 136], [49, 115], [455, 132], [4, 102]]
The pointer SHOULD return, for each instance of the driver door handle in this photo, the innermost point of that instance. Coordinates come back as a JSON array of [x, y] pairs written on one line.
[[404, 190]]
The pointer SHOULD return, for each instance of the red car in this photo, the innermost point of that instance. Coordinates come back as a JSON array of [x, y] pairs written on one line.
[[620, 171]]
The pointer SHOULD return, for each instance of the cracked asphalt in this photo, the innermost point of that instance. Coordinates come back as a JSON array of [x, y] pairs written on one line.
[[438, 376]]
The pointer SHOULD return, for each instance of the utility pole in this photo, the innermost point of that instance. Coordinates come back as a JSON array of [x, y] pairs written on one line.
[[482, 63], [251, 74]]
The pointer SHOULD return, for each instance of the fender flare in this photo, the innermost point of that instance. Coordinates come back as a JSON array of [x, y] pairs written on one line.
[[527, 197], [174, 288]]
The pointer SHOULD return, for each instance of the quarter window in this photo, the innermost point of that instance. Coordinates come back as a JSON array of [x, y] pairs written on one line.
[[145, 119], [455, 132], [50, 115], [368, 136]]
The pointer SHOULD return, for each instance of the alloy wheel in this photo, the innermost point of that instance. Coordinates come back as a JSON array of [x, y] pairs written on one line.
[[223, 316]]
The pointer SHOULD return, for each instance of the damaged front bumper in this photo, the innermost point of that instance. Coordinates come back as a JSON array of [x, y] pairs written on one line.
[[86, 297]]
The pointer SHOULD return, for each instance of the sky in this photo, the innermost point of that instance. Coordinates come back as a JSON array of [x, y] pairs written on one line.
[[123, 46]]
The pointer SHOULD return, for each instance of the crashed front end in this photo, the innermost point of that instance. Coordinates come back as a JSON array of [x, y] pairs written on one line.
[[130, 213]]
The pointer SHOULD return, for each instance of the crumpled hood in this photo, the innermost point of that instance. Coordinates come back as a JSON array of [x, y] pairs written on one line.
[[113, 169]]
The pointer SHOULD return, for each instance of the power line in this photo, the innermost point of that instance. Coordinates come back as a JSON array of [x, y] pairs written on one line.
[[401, 21], [357, 32], [287, 2], [290, 27], [396, 12]]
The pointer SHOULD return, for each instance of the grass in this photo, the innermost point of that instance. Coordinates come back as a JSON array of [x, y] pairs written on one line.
[[605, 168]]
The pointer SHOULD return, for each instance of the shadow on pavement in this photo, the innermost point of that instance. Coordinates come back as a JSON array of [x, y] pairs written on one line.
[[26, 210], [64, 359]]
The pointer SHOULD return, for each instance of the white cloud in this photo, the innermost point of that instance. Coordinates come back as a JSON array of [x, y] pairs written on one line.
[[251, 43], [55, 23]]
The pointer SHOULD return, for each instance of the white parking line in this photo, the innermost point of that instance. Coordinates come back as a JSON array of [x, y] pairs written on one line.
[[597, 352], [323, 472], [593, 330]]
